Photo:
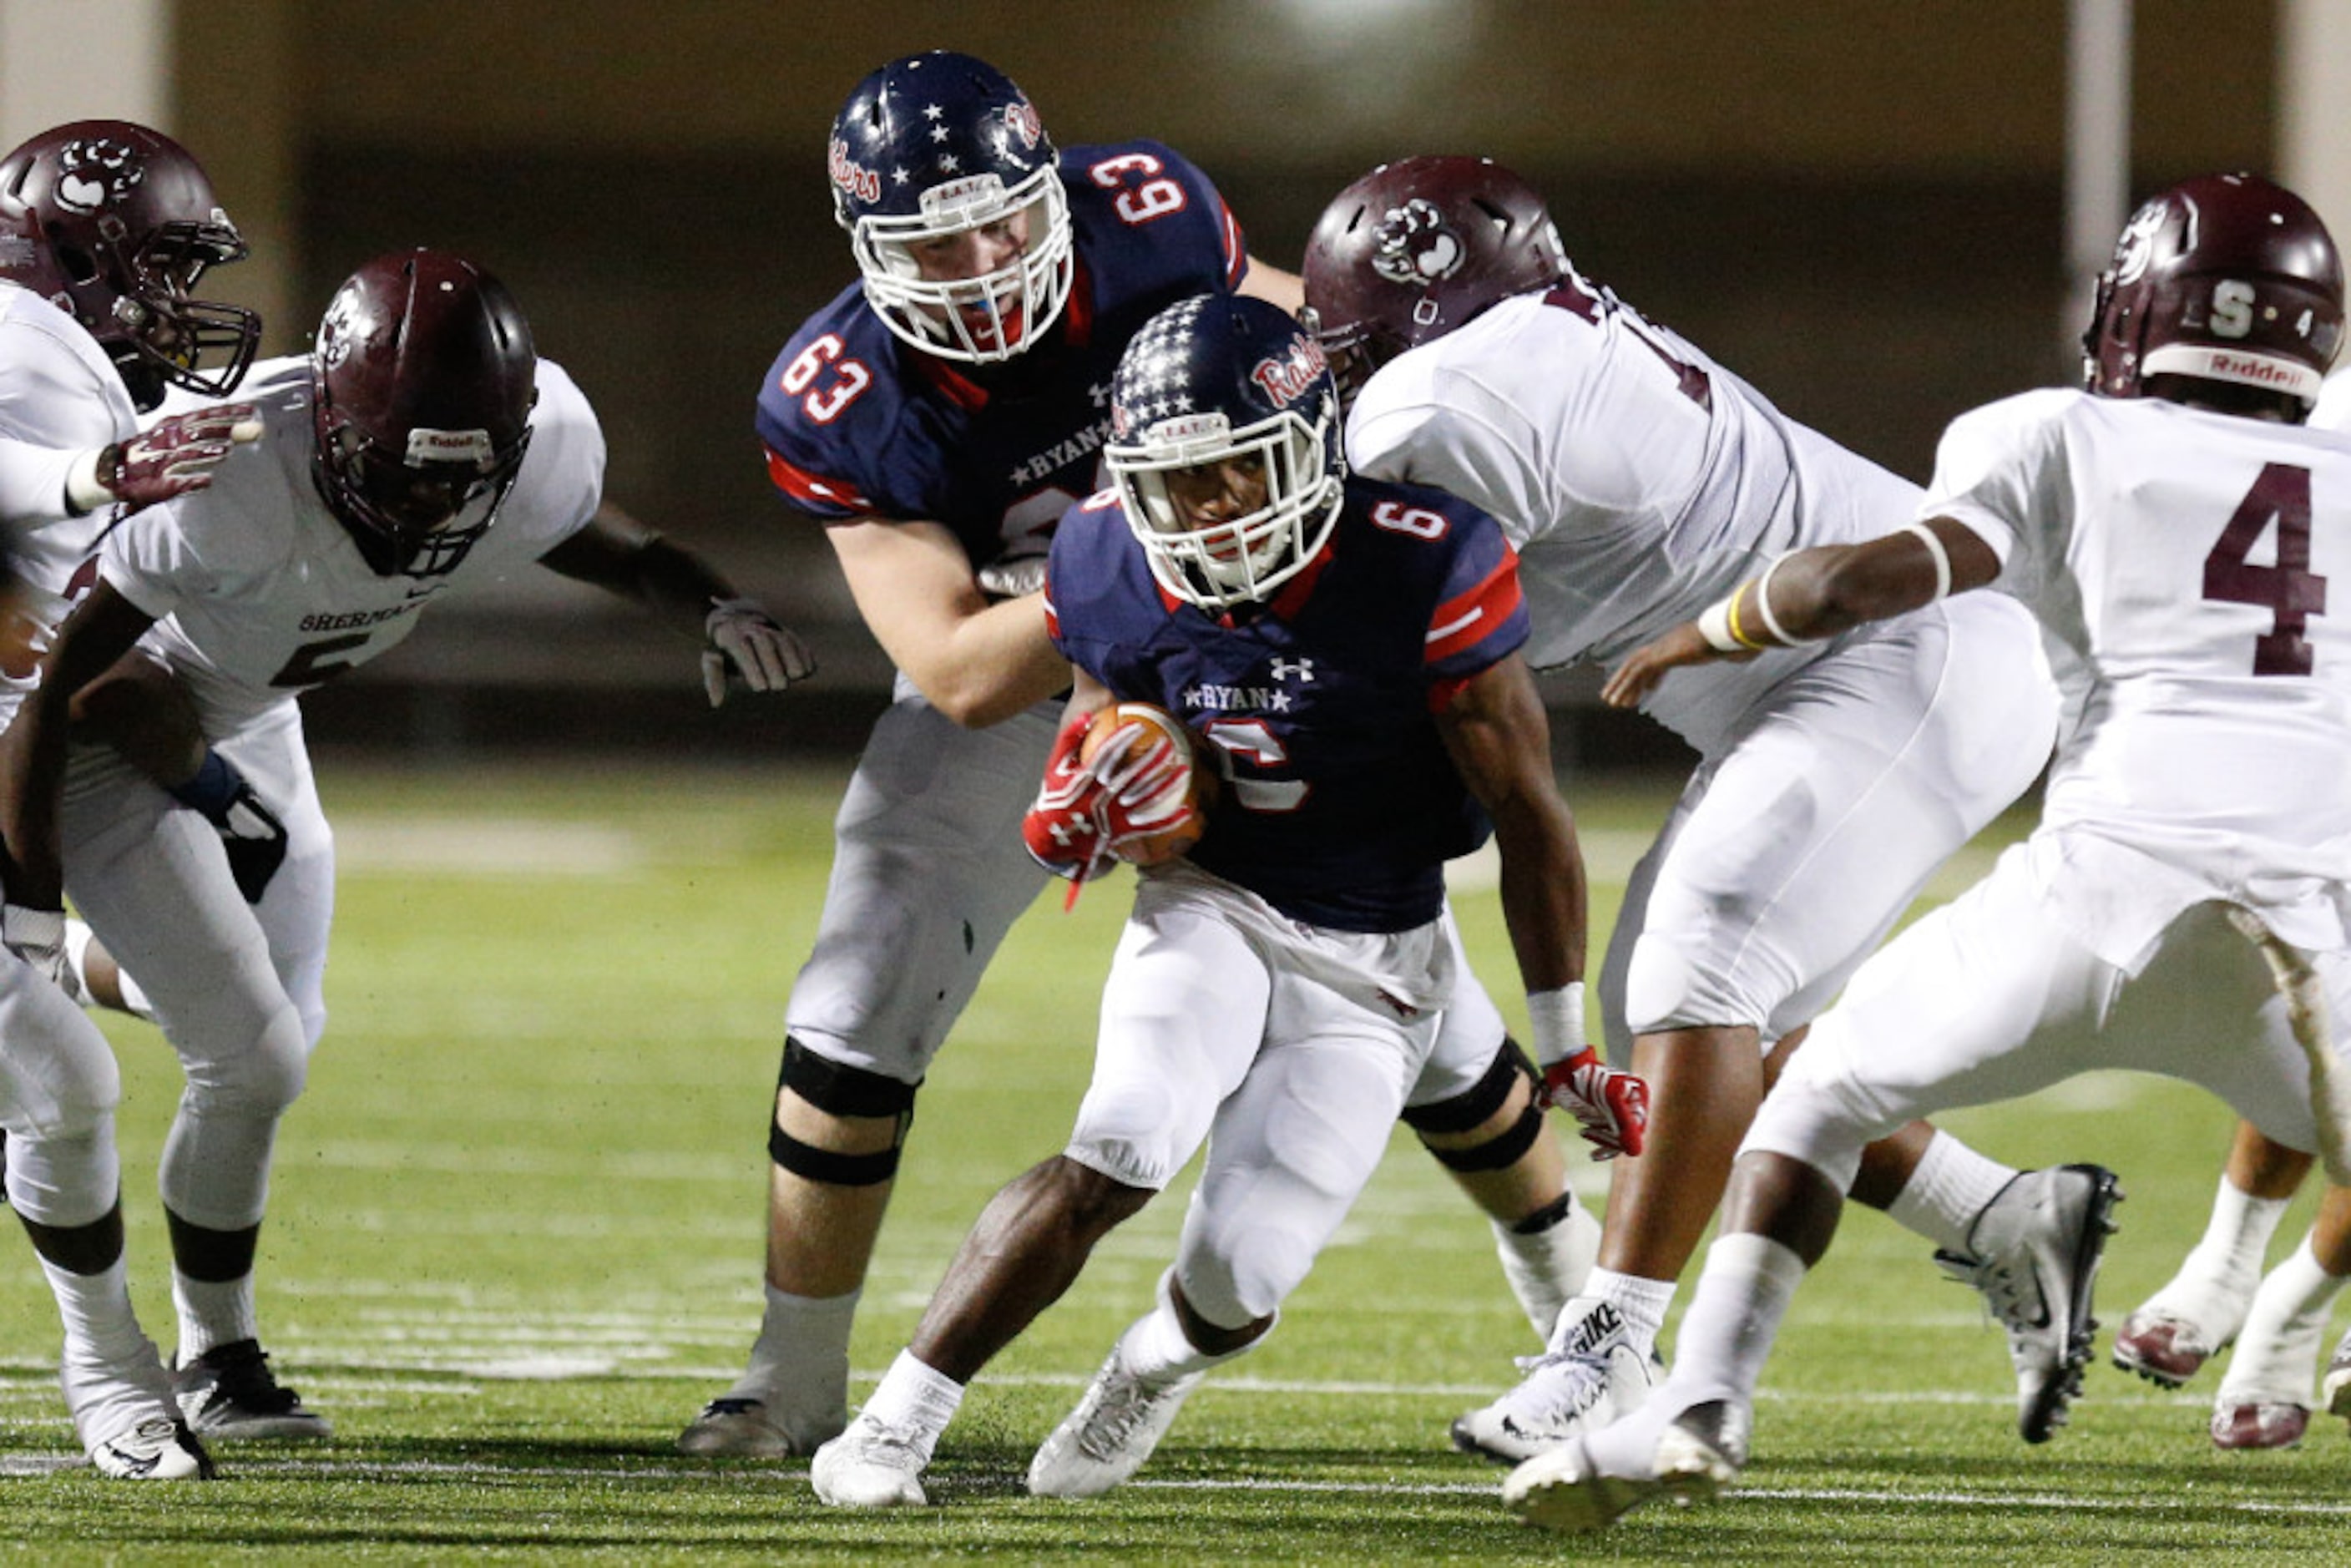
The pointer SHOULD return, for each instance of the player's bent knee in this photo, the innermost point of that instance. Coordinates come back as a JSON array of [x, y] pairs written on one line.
[[1470, 1111], [263, 1080], [838, 1090]]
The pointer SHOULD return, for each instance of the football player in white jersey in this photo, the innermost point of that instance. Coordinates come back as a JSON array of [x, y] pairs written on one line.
[[2174, 528], [2219, 1295], [423, 444], [106, 229], [1640, 480]]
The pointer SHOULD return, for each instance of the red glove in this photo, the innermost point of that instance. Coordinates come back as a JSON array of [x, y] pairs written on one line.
[[1611, 1106], [1063, 829], [175, 455], [1145, 779]]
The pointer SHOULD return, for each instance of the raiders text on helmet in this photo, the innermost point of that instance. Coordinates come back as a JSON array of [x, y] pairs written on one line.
[[1416, 248], [422, 387], [116, 224], [937, 145], [2224, 278], [1226, 380]]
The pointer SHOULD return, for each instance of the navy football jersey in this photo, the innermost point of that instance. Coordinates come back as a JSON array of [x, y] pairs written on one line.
[[1341, 804], [858, 423]]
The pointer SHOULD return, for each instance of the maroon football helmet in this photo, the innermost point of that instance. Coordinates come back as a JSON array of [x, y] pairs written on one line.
[[422, 386], [115, 223], [1416, 247], [2224, 278]]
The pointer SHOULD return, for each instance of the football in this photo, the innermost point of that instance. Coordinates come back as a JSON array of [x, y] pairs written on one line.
[[1201, 791]]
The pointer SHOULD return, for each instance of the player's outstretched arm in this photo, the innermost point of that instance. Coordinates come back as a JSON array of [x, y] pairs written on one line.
[[1811, 594], [685, 590], [978, 661]]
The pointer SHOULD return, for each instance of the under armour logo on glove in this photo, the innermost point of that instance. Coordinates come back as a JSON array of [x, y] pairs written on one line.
[[171, 458], [1612, 1107]]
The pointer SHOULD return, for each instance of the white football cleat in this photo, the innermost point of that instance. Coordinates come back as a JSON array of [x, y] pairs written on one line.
[[2033, 1254], [1113, 1429], [871, 1465], [736, 1426], [1591, 1376], [159, 1448], [1572, 1488]]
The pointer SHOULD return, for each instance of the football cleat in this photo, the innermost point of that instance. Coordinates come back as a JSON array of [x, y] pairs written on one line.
[[2169, 1337], [229, 1393], [1113, 1429], [1593, 1376], [159, 1448], [871, 1465], [2033, 1254], [750, 1423], [2262, 1424], [1570, 1489], [2336, 1388]]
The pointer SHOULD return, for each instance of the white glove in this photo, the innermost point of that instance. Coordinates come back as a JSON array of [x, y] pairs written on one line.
[[35, 935], [744, 637]]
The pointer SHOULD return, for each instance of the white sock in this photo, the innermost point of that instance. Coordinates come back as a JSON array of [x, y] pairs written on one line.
[[1643, 1303], [2237, 1237], [95, 1310], [915, 1400], [1726, 1336], [800, 1364], [1952, 1185], [212, 1312], [1547, 1268], [1156, 1350], [2277, 1352]]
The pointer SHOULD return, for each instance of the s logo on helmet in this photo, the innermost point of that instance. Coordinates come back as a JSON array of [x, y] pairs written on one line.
[[96, 174], [862, 184], [1414, 244]]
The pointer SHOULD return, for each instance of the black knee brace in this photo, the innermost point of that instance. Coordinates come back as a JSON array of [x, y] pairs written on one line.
[[1475, 1105], [840, 1090]]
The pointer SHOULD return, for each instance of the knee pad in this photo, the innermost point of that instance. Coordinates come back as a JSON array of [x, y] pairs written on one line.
[[838, 1090], [1474, 1105], [263, 1080]]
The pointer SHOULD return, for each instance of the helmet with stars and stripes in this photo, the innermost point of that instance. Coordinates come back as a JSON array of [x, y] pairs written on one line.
[[948, 185], [1225, 448]]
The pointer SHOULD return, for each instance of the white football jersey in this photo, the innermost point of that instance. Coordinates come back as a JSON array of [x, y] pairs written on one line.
[[59, 397], [1639, 480], [258, 592], [2191, 571], [2333, 409]]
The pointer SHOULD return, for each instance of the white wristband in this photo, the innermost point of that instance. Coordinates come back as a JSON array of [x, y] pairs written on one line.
[[1714, 625], [1764, 605], [1557, 1018], [84, 494], [1942, 559]]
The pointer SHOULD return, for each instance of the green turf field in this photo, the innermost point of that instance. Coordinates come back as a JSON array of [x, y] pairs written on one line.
[[516, 1229]]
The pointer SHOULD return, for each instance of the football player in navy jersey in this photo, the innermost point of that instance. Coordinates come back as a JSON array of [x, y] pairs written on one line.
[[937, 418], [1347, 652]]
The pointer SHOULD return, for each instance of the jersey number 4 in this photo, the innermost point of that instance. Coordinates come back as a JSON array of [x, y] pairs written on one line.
[[2290, 589]]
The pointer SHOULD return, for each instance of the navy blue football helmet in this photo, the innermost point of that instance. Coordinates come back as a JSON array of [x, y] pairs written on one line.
[[934, 147], [1225, 448]]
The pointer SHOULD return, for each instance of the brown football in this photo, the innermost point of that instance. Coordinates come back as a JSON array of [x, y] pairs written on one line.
[[1158, 721]]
